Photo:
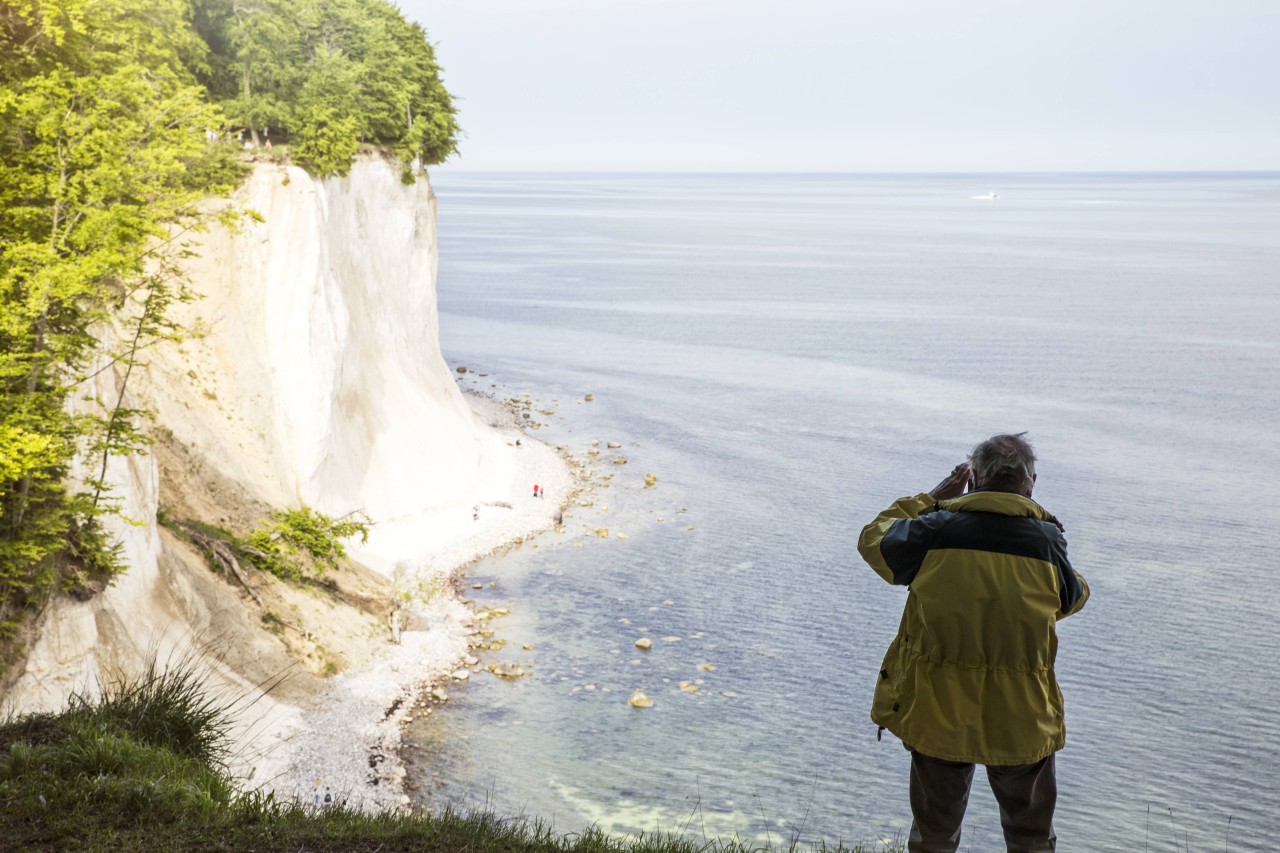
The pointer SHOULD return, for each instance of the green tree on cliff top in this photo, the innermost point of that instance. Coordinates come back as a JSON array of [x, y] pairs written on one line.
[[325, 77]]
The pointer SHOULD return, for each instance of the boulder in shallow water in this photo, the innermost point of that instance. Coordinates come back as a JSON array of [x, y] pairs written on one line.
[[639, 700], [507, 670], [644, 643], [650, 480]]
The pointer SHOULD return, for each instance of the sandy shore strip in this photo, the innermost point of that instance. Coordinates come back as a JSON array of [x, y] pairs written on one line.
[[345, 742]]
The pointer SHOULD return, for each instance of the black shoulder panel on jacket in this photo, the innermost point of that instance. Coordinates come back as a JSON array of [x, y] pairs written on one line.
[[906, 542], [909, 540]]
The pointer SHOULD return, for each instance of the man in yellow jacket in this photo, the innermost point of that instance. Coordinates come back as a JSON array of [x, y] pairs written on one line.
[[969, 679]]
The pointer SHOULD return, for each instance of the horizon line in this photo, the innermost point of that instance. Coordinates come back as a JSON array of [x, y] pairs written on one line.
[[878, 172]]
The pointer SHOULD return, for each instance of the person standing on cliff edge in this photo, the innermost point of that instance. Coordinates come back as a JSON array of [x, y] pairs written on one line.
[[969, 679]]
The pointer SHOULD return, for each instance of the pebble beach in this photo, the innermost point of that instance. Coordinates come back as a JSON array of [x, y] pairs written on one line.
[[345, 741]]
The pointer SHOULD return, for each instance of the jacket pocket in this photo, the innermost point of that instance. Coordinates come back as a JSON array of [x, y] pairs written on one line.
[[888, 702]]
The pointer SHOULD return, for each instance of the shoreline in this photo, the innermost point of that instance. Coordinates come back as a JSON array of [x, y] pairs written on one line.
[[346, 738]]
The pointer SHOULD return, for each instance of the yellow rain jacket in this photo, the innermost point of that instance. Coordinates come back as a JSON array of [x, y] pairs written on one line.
[[970, 675]]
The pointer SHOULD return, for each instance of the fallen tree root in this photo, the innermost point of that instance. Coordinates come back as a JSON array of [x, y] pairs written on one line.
[[222, 552]]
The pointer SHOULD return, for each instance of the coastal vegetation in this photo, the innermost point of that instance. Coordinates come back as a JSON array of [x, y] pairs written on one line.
[[144, 768], [325, 77], [117, 120], [103, 163], [297, 543]]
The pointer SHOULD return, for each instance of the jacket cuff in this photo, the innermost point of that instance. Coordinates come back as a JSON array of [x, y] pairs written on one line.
[[919, 503]]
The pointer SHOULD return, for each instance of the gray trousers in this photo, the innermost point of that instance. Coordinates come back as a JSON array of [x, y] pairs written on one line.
[[1026, 793]]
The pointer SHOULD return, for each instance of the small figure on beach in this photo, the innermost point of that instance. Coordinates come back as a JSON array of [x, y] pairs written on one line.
[[537, 490], [475, 512], [328, 798], [970, 677]]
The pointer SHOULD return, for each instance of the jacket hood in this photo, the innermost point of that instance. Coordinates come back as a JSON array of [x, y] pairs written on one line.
[[1002, 503]]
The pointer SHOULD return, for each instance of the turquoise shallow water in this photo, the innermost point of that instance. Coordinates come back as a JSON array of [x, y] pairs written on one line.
[[790, 353]]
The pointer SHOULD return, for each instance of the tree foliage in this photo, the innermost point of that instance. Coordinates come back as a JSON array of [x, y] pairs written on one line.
[[325, 77], [297, 543], [103, 157]]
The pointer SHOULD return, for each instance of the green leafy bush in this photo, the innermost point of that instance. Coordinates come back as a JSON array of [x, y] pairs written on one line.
[[298, 543], [415, 587]]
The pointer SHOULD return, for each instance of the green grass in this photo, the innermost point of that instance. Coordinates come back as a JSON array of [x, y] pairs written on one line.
[[143, 768]]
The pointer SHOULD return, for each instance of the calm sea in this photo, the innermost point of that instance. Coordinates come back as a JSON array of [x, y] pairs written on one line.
[[788, 354]]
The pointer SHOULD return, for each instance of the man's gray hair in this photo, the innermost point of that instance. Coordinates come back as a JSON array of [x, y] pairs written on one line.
[[1003, 461]]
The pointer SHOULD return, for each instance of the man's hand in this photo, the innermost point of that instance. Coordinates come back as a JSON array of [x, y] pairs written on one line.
[[954, 485]]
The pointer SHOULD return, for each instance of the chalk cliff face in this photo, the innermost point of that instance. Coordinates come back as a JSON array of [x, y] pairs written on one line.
[[315, 378], [320, 380]]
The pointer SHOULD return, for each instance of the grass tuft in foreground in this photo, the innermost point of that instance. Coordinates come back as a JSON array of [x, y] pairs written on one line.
[[143, 768]]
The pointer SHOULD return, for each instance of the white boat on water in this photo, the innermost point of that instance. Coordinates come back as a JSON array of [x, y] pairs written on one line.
[[987, 197]]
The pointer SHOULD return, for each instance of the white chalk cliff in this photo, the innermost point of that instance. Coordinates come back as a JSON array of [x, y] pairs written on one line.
[[316, 378], [320, 380]]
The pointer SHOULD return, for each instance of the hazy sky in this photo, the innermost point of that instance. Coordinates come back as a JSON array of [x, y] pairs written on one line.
[[861, 85]]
